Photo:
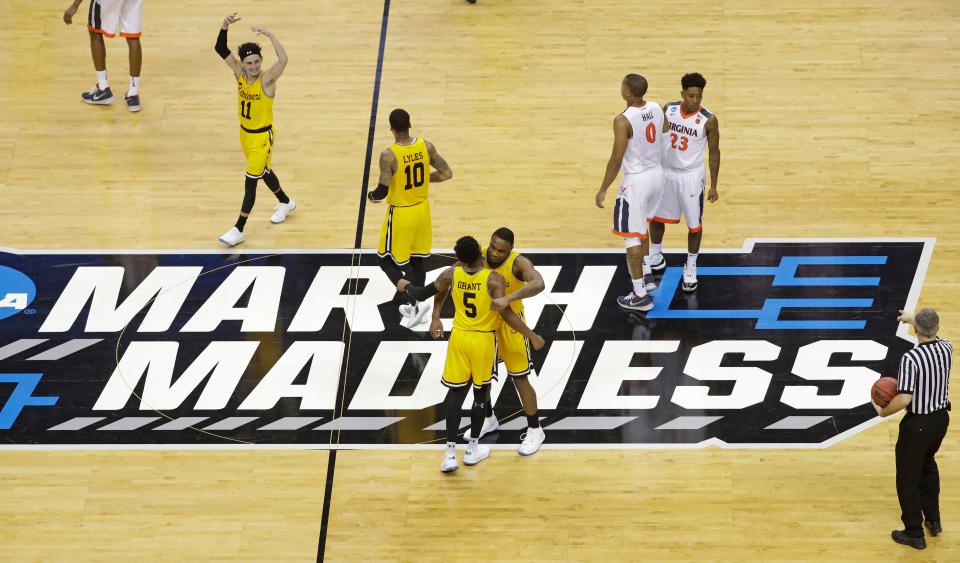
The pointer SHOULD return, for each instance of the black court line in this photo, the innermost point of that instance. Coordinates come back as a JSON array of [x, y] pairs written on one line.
[[332, 459]]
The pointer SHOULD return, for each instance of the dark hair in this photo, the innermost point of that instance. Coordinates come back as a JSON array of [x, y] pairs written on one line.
[[693, 80], [400, 120], [637, 84], [467, 250], [505, 234], [247, 49]]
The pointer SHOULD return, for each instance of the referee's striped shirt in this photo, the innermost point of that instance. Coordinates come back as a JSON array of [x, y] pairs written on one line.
[[925, 374]]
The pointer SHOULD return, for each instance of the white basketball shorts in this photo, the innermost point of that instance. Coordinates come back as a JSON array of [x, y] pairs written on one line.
[[636, 201], [107, 16], [682, 195]]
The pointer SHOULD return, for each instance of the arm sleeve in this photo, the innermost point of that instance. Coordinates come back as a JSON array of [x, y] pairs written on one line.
[[379, 193], [422, 293], [221, 46], [907, 380]]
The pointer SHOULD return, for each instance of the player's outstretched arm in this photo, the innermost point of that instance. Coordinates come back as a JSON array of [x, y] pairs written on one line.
[[495, 285], [713, 150], [419, 293], [442, 171], [524, 270], [621, 136], [71, 11], [388, 167], [439, 290], [274, 72], [221, 47]]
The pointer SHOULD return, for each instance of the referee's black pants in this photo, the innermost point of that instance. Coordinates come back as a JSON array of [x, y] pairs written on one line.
[[918, 480]]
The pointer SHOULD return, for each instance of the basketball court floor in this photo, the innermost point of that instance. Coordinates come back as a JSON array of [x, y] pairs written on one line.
[[267, 406]]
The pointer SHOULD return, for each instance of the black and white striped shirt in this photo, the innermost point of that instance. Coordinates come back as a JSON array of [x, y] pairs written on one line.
[[925, 374]]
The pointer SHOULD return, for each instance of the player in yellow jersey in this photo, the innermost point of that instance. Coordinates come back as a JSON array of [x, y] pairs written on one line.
[[472, 350], [255, 91], [407, 234], [521, 280]]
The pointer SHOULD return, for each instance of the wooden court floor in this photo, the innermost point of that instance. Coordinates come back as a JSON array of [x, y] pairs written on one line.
[[836, 120]]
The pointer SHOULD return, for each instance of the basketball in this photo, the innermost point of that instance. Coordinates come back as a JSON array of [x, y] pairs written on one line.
[[883, 390]]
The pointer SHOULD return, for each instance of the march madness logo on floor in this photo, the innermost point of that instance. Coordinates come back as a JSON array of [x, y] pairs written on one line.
[[778, 347]]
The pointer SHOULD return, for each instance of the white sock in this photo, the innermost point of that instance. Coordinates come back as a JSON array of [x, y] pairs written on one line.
[[472, 445], [639, 287], [102, 80], [134, 83], [656, 249], [451, 447], [691, 259]]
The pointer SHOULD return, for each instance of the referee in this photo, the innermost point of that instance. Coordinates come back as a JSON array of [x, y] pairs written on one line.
[[922, 390]]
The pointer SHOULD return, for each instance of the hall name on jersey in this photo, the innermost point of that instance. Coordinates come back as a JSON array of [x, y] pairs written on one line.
[[248, 96], [408, 158], [469, 286], [684, 130]]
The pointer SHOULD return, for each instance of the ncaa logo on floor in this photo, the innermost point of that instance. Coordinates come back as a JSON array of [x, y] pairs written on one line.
[[16, 292]]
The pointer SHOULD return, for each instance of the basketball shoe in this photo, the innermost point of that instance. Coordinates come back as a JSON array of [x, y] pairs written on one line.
[[232, 237], [133, 102], [449, 463], [475, 454], [657, 262], [532, 441], [490, 424], [281, 211], [648, 282], [634, 302], [98, 97], [689, 277]]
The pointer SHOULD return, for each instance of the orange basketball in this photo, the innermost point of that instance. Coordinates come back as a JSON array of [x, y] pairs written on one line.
[[883, 390]]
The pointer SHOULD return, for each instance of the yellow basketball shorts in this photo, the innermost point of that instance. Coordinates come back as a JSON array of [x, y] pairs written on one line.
[[406, 232], [471, 356], [258, 149], [514, 350]]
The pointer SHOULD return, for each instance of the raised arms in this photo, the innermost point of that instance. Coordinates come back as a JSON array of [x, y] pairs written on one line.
[[221, 47], [271, 75]]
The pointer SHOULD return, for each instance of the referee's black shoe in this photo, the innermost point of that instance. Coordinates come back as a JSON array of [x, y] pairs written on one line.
[[901, 537], [935, 528]]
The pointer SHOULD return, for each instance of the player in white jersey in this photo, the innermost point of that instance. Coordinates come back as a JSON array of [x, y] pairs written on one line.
[[637, 152], [690, 128]]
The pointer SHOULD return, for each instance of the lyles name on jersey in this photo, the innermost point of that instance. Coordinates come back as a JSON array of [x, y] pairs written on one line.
[[408, 158]]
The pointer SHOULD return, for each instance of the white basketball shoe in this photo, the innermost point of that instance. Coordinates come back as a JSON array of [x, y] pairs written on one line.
[[449, 463], [490, 424], [532, 441], [281, 211], [233, 237], [475, 454]]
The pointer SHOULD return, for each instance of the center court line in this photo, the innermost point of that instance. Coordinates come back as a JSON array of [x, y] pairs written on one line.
[[338, 408]]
